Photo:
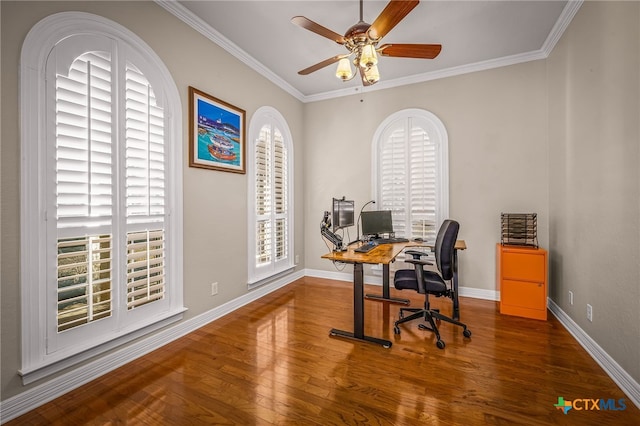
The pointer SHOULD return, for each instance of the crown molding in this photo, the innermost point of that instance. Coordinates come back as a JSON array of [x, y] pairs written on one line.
[[434, 75], [569, 11], [189, 18]]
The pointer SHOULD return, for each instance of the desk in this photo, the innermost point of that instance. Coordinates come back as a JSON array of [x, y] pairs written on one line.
[[385, 254]]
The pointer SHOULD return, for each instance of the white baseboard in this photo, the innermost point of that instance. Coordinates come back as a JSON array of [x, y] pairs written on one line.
[[476, 293], [624, 381], [58, 386]]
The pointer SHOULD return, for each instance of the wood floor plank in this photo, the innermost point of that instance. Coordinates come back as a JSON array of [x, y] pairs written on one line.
[[273, 362]]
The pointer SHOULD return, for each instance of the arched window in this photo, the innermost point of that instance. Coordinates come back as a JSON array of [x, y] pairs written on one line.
[[410, 163], [101, 222], [270, 168]]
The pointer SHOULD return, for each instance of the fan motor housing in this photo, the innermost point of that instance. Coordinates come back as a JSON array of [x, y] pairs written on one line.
[[357, 33]]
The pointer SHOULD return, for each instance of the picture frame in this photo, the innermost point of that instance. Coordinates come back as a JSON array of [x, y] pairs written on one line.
[[216, 134]]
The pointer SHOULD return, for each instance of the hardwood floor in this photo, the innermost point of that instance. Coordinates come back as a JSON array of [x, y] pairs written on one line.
[[273, 362]]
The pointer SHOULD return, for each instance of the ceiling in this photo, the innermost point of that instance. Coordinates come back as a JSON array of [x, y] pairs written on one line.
[[475, 35]]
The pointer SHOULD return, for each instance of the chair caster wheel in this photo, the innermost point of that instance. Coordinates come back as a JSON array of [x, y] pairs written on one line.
[[396, 330], [440, 344], [466, 333]]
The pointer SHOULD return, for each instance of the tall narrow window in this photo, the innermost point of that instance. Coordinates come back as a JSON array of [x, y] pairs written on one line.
[[411, 172], [101, 232], [271, 214]]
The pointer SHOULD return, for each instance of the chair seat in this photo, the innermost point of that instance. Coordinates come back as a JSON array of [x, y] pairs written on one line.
[[405, 279]]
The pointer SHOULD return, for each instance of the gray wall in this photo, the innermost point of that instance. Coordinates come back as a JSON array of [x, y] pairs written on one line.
[[215, 203], [594, 185]]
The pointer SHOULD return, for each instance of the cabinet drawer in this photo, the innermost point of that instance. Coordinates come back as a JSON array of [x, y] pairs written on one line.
[[523, 266], [523, 294]]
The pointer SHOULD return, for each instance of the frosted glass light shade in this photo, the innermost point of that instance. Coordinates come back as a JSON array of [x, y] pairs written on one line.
[[368, 57], [372, 74], [344, 69]]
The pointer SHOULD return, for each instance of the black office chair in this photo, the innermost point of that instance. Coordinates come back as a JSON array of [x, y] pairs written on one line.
[[431, 282]]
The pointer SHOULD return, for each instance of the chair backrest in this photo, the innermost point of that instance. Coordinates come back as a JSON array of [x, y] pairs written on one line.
[[445, 242]]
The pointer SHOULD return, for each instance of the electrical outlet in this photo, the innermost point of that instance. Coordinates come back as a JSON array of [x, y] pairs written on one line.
[[297, 259], [214, 289], [571, 298], [589, 312]]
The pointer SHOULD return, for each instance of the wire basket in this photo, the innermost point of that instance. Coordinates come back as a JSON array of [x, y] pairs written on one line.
[[519, 229]]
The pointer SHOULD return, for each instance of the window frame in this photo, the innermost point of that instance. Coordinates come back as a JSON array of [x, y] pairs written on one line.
[[257, 276], [35, 140], [438, 133]]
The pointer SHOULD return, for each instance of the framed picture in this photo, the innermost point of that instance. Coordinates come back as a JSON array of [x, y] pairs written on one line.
[[216, 133]]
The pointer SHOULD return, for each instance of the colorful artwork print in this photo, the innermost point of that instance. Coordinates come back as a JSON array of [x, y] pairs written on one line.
[[216, 134]]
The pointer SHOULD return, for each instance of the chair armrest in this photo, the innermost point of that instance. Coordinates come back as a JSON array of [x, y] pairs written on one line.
[[418, 262], [416, 254]]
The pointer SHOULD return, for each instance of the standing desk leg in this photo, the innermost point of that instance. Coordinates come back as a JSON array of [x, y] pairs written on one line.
[[386, 296], [358, 312], [456, 302]]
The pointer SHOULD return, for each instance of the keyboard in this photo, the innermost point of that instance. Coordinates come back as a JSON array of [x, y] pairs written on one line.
[[391, 240], [367, 247]]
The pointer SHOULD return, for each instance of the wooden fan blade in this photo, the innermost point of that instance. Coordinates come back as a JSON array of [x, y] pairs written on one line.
[[420, 51], [393, 13], [308, 24], [321, 65]]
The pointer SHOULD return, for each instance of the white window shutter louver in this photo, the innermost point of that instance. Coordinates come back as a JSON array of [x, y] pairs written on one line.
[[408, 179], [86, 170]]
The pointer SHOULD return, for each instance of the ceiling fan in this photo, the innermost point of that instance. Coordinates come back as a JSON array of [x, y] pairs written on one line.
[[361, 40]]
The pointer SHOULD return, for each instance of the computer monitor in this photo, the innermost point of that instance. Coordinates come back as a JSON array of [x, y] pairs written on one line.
[[377, 222], [342, 213]]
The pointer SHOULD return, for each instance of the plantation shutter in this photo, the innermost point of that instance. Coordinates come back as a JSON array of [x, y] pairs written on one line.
[[84, 196], [145, 162], [145, 267], [263, 197], [84, 280], [145, 191], [85, 178], [422, 187], [393, 179], [84, 153], [270, 215], [407, 172], [280, 193]]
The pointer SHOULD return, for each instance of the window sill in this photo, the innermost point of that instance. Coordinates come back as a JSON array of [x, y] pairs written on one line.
[[262, 281], [50, 367]]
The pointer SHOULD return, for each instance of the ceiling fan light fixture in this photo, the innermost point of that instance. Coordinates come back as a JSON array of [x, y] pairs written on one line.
[[368, 56], [371, 74], [344, 70], [361, 40]]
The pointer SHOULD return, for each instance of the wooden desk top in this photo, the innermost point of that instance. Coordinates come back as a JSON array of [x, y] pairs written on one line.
[[383, 253], [460, 245]]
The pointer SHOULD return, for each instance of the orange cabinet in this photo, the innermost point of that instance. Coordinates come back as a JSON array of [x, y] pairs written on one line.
[[522, 279]]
